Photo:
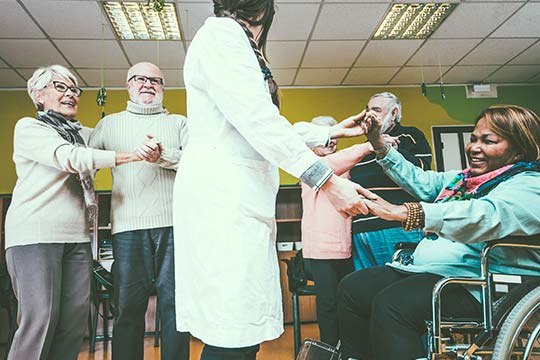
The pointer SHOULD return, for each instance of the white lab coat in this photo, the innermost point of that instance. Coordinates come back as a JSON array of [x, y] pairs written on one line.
[[226, 268]]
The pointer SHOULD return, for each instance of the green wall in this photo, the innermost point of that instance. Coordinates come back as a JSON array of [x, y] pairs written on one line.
[[297, 105]]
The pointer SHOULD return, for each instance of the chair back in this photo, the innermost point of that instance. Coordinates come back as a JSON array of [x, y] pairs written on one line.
[[298, 271], [102, 276]]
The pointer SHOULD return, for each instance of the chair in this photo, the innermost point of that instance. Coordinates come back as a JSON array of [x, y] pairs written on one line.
[[297, 276], [102, 297], [8, 302], [510, 325]]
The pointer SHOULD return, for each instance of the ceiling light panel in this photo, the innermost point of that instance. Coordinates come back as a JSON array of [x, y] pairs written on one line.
[[412, 21], [139, 21]]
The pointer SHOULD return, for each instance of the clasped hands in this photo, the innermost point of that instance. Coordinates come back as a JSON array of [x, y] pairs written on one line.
[[349, 198], [150, 150]]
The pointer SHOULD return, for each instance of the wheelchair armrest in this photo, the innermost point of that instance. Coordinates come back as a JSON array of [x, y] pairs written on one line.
[[532, 241]]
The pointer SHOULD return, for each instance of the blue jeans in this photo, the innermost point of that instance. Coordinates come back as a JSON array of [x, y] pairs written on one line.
[[144, 264], [375, 248]]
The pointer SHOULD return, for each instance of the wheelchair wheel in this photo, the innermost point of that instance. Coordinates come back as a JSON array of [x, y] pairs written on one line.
[[519, 335]]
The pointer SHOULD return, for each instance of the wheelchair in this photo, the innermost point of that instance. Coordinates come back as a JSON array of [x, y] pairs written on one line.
[[510, 325]]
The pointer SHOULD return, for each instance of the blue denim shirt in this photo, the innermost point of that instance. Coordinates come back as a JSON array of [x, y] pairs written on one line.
[[512, 208]]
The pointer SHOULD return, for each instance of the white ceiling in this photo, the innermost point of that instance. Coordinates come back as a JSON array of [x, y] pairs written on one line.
[[311, 43]]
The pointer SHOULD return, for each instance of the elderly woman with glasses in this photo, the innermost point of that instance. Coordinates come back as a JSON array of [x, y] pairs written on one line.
[[47, 225]]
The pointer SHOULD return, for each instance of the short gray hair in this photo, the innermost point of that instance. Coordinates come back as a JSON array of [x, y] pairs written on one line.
[[324, 121], [395, 102], [43, 76]]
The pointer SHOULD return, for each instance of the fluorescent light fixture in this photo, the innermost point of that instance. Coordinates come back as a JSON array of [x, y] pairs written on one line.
[[412, 21], [139, 21]]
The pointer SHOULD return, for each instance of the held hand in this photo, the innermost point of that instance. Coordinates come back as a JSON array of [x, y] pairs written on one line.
[[350, 127], [322, 151], [345, 196], [393, 141], [373, 133], [150, 150], [385, 210]]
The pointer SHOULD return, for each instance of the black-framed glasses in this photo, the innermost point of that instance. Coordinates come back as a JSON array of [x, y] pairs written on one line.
[[141, 79], [63, 87]]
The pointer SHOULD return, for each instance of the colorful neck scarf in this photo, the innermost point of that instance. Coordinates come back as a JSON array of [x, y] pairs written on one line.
[[465, 187]]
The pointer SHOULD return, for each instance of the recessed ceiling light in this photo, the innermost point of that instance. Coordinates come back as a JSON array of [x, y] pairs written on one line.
[[412, 21], [139, 21]]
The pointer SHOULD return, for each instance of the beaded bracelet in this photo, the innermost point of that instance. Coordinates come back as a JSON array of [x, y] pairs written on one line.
[[415, 216]]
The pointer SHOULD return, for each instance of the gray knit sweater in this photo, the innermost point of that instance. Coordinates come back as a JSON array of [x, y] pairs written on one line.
[[142, 192]]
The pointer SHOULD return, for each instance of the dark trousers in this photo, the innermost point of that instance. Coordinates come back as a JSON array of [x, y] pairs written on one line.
[[218, 353], [327, 274], [382, 312], [52, 285], [144, 263]]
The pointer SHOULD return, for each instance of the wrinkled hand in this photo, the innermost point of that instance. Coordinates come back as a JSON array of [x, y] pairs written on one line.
[[385, 210], [350, 127], [373, 126], [348, 198], [325, 150], [151, 149]]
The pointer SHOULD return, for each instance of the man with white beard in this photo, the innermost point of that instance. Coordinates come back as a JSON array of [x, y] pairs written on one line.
[[141, 213], [374, 239]]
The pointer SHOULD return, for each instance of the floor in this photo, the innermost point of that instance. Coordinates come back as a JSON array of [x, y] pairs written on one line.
[[279, 349]]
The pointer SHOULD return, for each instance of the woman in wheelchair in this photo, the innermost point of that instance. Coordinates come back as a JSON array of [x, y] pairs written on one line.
[[383, 310]]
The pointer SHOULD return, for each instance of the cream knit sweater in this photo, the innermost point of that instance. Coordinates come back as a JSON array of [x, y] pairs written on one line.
[[142, 192], [48, 204]]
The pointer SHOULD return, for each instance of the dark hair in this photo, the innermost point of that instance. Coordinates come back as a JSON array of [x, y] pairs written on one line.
[[518, 125], [250, 11]]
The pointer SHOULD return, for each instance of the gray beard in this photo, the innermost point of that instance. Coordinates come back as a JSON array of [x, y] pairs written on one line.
[[387, 124]]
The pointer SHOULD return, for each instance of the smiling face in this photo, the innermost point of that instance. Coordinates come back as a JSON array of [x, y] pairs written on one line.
[[488, 151], [145, 93], [65, 103]]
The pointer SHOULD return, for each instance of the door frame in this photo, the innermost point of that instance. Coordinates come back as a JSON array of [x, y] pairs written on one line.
[[437, 130]]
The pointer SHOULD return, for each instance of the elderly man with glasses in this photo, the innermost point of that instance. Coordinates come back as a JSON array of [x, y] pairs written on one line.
[[141, 213]]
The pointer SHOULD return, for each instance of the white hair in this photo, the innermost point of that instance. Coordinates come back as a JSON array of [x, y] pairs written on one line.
[[43, 76], [395, 103], [324, 121]]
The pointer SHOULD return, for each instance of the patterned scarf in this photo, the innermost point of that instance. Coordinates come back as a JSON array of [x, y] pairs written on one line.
[[465, 187], [69, 130]]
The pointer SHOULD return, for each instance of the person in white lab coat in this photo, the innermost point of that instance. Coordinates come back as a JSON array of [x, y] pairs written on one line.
[[226, 269]]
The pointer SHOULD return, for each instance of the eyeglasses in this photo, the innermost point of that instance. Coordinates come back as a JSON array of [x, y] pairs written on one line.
[[63, 87], [141, 79]]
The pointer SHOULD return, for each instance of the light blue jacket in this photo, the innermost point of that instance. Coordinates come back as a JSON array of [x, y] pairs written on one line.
[[511, 208]]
